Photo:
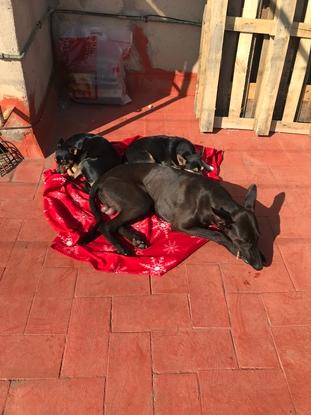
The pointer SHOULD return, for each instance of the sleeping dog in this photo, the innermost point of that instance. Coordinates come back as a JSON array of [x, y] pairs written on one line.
[[88, 155], [190, 203], [171, 151]]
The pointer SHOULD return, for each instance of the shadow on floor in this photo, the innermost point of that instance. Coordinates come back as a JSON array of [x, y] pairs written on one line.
[[267, 235]]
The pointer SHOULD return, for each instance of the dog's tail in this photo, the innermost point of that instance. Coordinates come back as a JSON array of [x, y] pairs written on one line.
[[94, 205], [93, 232]]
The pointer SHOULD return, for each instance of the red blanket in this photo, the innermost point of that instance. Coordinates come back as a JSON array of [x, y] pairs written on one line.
[[66, 207]]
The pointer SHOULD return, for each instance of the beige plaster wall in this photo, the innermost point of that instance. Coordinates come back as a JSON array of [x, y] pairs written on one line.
[[29, 77], [11, 73]]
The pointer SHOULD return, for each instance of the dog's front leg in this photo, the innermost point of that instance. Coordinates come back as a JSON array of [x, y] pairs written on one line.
[[215, 236]]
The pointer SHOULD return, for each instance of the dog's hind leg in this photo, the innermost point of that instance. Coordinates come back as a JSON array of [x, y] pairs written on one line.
[[117, 225]]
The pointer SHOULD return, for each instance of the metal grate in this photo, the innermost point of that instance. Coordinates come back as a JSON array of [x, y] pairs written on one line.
[[10, 157]]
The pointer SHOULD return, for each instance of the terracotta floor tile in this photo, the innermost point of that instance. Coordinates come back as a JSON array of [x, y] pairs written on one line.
[[189, 351], [152, 312], [49, 316], [238, 175], [292, 308], [155, 127], [24, 209], [207, 299], [57, 282], [100, 284], [36, 230], [129, 379], [17, 191], [174, 281], [7, 177], [29, 171], [4, 388], [251, 335], [14, 314], [261, 175], [23, 269], [9, 229], [296, 254], [271, 201], [245, 392], [210, 253], [176, 394], [286, 176], [56, 259], [240, 277], [18, 282], [85, 355], [27, 254], [299, 202], [293, 226], [294, 347], [90, 316], [87, 342], [56, 396], [30, 356], [264, 158], [5, 251], [293, 142]]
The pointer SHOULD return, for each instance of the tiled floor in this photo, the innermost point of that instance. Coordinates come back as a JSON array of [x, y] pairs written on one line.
[[211, 337]]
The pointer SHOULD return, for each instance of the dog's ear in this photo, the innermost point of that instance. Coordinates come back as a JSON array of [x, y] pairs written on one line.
[[181, 160], [250, 197], [224, 217], [60, 142]]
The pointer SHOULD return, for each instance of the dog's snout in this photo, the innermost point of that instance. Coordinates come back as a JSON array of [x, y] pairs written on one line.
[[258, 267]]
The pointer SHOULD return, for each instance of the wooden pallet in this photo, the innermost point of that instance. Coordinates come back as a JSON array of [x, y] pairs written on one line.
[[269, 86]]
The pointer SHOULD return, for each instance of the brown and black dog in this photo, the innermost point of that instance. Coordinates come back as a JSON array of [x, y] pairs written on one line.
[[89, 155]]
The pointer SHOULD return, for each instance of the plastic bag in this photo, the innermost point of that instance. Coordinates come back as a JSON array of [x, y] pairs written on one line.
[[92, 64]]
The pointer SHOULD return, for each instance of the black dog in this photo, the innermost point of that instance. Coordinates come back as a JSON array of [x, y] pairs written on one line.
[[87, 154], [169, 151], [190, 203]]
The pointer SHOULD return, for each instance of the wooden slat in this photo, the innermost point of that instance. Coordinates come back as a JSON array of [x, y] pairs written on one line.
[[276, 126], [267, 12], [276, 56], [214, 38], [265, 27], [202, 63], [245, 25], [298, 75], [301, 30], [234, 123], [242, 62], [229, 48], [291, 127], [304, 111]]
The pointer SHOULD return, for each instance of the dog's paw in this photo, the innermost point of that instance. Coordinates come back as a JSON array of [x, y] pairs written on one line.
[[124, 251], [139, 243]]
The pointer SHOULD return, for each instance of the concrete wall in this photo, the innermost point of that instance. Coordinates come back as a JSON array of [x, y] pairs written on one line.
[[26, 79], [170, 47], [11, 73]]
